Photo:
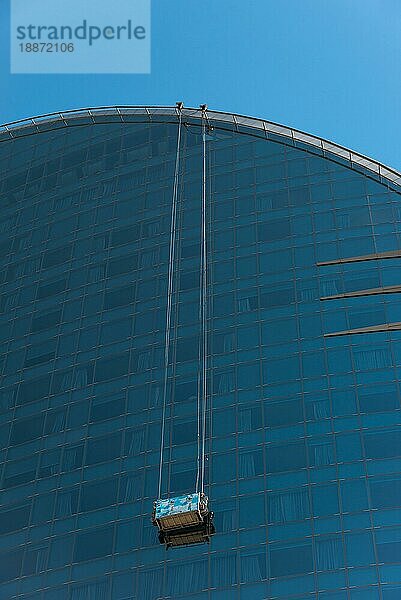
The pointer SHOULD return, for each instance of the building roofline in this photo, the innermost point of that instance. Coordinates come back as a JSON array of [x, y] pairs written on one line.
[[220, 120]]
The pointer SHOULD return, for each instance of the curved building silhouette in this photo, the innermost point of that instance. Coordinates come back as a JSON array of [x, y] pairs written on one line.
[[303, 320]]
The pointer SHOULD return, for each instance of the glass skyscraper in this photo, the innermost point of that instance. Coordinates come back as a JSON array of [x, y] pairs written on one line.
[[303, 444]]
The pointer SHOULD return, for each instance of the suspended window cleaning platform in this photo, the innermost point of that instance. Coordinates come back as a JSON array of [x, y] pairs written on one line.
[[183, 520]]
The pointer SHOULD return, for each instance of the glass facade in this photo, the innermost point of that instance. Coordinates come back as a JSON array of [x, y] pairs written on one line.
[[304, 437]]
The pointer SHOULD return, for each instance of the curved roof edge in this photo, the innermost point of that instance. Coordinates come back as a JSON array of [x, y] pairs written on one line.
[[221, 120]]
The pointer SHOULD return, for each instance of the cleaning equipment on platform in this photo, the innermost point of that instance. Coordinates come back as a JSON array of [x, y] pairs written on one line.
[[183, 520], [186, 519]]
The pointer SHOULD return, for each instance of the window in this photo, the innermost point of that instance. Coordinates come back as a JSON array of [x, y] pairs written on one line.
[[123, 236], [55, 421], [111, 367], [385, 492], [187, 576], [150, 582], [103, 449], [281, 370], [325, 500], [249, 417], [134, 442], [33, 390], [290, 559], [49, 463], [286, 457], [128, 535], [189, 281], [115, 331], [385, 444], [45, 290], [14, 519], [35, 560], [329, 553], [250, 463], [26, 430], [10, 565], [93, 544], [273, 230], [187, 349], [354, 496], [73, 457], [252, 511], [122, 265], [99, 494], [281, 296], [287, 506], [184, 432], [40, 353], [131, 487], [61, 255], [379, 400], [119, 297], [253, 565], [43, 508], [360, 550], [283, 413], [107, 407], [67, 502], [223, 567], [60, 552], [321, 452]]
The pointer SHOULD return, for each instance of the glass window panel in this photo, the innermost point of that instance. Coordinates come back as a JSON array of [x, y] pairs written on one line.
[[27, 429], [252, 511], [119, 297], [292, 559], [46, 321], [49, 463], [98, 495], [360, 549], [385, 492], [283, 413], [107, 407], [354, 495], [383, 444], [290, 505], [253, 565], [286, 457], [56, 257], [325, 500], [73, 457], [93, 544], [10, 565], [111, 367], [329, 553], [103, 449], [223, 569], [250, 463], [187, 577], [33, 390], [273, 230], [14, 519]]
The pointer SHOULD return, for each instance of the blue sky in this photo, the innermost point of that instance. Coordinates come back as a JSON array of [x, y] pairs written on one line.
[[328, 67]]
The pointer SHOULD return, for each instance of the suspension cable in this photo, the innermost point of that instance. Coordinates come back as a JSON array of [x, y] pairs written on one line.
[[200, 347], [173, 227], [204, 296]]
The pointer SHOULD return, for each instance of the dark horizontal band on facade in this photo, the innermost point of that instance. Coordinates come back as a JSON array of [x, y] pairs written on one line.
[[366, 257], [373, 329], [391, 289]]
